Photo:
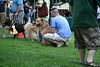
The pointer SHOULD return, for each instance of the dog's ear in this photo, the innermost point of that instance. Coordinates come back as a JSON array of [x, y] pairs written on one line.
[[42, 20]]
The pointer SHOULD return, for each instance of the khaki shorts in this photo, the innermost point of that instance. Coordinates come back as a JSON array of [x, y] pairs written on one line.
[[2, 18], [56, 37], [87, 38]]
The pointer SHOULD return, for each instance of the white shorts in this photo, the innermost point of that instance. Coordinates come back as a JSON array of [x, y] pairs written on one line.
[[56, 37]]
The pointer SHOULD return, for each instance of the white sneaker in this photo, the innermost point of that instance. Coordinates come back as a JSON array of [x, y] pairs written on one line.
[[11, 32], [4, 36]]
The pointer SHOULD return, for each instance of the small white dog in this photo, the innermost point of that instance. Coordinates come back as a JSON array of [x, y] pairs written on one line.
[[31, 32]]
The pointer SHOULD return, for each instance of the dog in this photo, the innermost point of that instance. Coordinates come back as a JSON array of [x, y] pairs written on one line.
[[31, 31], [18, 27], [45, 28]]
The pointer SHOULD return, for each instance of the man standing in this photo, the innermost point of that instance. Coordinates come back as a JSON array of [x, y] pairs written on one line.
[[63, 32], [26, 10], [86, 30], [46, 18], [3, 9], [18, 11]]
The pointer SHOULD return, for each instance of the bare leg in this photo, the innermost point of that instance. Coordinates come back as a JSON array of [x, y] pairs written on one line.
[[82, 55], [58, 44], [91, 55], [4, 30]]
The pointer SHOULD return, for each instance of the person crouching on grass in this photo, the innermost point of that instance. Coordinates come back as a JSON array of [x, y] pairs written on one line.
[[63, 32]]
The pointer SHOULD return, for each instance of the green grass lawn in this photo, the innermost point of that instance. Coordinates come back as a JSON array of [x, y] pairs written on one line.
[[24, 53]]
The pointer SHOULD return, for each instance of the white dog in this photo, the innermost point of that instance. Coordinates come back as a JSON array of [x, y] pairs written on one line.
[[31, 32]]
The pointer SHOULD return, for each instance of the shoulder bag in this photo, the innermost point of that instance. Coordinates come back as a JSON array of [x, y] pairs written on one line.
[[43, 11]]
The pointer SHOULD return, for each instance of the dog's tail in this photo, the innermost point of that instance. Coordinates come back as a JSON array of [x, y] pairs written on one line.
[[27, 30], [30, 31], [27, 25]]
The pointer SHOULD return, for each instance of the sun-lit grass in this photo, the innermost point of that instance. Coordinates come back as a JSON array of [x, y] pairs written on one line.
[[24, 53]]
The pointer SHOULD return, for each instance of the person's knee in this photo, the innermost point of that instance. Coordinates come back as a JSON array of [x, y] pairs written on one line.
[[45, 37], [3, 26]]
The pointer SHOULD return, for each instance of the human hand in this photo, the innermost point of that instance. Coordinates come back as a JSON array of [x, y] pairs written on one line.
[[16, 14], [5, 13]]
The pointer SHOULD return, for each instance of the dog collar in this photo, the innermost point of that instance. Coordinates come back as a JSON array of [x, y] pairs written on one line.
[[45, 26]]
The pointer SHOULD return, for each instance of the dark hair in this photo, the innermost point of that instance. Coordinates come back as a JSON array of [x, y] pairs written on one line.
[[53, 9]]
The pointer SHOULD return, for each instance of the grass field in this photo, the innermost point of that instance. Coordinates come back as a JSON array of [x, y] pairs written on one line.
[[24, 53]]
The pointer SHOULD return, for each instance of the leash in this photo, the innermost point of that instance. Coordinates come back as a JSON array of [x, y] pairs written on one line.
[[10, 26], [12, 23], [14, 29]]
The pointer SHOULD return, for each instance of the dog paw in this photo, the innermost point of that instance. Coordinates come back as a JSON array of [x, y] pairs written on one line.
[[42, 43]]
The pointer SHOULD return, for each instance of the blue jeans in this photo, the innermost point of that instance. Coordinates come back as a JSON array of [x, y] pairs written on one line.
[[40, 36], [26, 17]]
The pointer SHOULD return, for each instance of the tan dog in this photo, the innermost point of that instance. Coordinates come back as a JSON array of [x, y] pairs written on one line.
[[31, 31], [45, 28]]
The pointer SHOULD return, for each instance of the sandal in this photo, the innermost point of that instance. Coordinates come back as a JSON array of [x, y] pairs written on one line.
[[66, 44], [91, 64]]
